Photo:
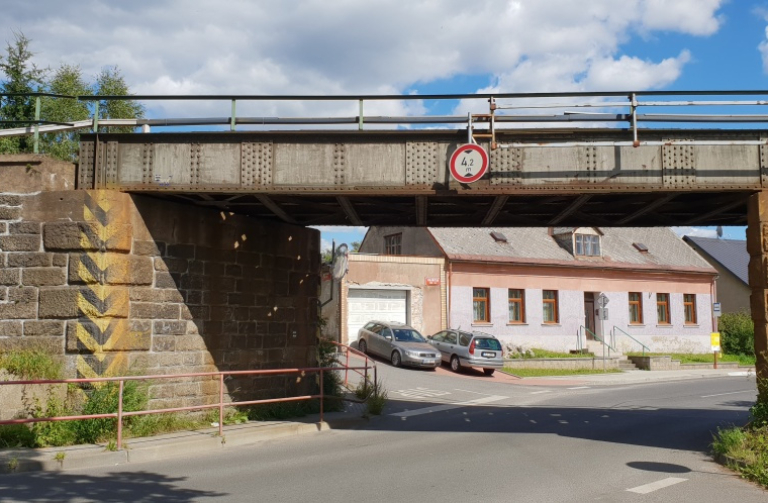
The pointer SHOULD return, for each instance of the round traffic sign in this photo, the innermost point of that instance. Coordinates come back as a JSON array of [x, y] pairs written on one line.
[[468, 163]]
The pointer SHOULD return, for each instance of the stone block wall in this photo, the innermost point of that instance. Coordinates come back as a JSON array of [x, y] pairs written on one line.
[[126, 284]]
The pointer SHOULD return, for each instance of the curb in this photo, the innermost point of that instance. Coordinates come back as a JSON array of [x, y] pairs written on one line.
[[166, 446]]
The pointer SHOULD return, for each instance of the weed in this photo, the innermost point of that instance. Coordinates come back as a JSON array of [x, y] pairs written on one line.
[[60, 457], [31, 363], [364, 389], [377, 398], [13, 464], [111, 445]]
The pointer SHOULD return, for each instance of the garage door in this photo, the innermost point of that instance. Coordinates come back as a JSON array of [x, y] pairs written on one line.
[[366, 305]]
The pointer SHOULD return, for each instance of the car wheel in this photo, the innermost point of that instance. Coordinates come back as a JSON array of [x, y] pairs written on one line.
[[455, 364], [363, 347], [396, 359], [489, 372]]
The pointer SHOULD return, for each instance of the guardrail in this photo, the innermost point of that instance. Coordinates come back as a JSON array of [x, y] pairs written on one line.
[[221, 404], [583, 333], [570, 110], [613, 339]]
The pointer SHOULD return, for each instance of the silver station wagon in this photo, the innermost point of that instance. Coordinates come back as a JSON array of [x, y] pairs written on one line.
[[469, 349], [399, 343]]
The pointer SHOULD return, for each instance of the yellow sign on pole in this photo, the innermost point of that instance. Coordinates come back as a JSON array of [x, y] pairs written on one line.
[[715, 340]]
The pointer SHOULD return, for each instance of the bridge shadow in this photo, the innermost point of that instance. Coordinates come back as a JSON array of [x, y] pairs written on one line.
[[673, 428], [111, 487]]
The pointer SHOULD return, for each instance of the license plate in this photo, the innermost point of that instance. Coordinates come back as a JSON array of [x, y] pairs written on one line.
[[488, 354], [428, 362]]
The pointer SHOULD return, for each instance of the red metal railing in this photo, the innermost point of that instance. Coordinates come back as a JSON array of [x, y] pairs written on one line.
[[120, 414], [346, 351]]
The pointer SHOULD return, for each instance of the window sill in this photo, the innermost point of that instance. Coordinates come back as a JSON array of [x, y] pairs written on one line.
[[516, 324], [691, 325], [481, 324], [663, 325], [636, 325], [551, 325]]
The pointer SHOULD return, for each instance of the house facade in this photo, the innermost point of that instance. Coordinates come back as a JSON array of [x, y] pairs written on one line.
[[731, 260], [536, 287]]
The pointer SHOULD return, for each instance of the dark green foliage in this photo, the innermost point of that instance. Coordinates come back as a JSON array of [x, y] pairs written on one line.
[[67, 81], [21, 76], [111, 83], [737, 333], [104, 400]]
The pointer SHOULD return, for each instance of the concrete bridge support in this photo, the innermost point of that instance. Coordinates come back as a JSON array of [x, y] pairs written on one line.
[[757, 246], [129, 284]]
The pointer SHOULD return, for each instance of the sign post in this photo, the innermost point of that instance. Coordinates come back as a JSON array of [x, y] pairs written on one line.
[[715, 341], [602, 301]]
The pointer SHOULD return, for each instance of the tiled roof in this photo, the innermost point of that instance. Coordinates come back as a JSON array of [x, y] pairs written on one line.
[[535, 245], [730, 253]]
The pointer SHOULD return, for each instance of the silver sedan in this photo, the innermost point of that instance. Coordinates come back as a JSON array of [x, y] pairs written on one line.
[[399, 343]]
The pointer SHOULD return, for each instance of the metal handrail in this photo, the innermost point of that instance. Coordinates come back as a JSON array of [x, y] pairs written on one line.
[[514, 101], [582, 329], [613, 338], [221, 404]]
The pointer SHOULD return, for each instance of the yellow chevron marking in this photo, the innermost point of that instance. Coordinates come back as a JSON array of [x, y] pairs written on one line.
[[119, 332], [87, 371], [114, 302]]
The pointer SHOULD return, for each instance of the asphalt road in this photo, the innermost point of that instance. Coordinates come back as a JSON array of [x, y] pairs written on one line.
[[458, 439]]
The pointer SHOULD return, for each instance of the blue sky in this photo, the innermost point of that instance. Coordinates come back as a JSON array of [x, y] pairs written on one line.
[[395, 47]]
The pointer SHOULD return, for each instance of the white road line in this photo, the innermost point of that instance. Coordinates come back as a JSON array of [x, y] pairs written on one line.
[[655, 486], [731, 393], [742, 373], [440, 408], [580, 387], [540, 392]]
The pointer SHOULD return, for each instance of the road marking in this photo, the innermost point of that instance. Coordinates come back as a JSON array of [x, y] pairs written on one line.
[[742, 373], [731, 393], [421, 393], [655, 486], [540, 392], [580, 387], [440, 408]]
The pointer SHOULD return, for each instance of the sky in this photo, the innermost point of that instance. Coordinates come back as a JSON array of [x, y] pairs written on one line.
[[398, 47]]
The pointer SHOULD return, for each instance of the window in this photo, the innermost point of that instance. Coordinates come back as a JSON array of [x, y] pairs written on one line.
[[464, 338], [587, 245], [689, 305], [662, 308], [635, 308], [480, 307], [393, 244], [516, 306], [550, 306]]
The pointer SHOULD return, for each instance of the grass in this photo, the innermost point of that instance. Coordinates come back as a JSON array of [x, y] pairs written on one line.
[[529, 372], [31, 364], [747, 360], [746, 450], [545, 353]]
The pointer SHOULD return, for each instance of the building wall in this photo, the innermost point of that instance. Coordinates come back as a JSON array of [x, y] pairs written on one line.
[[126, 284], [416, 241], [427, 304], [731, 292], [571, 284]]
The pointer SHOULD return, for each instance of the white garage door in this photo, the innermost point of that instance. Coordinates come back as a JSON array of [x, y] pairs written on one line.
[[366, 305]]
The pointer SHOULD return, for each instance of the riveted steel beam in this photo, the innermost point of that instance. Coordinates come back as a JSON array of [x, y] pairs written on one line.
[[277, 210], [349, 210]]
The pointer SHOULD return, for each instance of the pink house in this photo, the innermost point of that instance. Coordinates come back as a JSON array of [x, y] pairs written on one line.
[[536, 287]]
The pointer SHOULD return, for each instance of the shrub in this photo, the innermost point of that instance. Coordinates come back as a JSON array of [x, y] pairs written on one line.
[[104, 400], [737, 333]]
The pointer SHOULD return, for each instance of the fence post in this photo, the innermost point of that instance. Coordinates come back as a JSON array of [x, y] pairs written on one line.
[[322, 394], [120, 416], [346, 370], [221, 404]]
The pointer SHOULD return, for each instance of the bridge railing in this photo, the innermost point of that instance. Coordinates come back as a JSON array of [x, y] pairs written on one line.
[[570, 109], [221, 404]]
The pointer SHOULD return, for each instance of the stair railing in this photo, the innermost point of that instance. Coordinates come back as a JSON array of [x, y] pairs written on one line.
[[613, 339], [583, 331]]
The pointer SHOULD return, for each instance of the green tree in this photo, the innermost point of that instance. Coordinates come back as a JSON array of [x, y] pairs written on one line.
[[68, 81], [111, 83], [21, 76]]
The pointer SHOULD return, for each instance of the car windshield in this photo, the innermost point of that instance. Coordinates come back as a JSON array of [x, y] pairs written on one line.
[[408, 335], [493, 344]]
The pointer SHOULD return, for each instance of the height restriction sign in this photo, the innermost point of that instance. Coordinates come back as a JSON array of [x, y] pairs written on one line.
[[468, 163]]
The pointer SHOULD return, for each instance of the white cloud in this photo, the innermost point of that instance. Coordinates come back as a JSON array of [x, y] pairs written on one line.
[[345, 46], [695, 231]]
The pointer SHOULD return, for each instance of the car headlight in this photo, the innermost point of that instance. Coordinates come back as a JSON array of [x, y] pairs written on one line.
[[412, 354]]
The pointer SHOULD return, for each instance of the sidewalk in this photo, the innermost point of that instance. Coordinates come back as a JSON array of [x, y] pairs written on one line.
[[171, 445], [137, 450]]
